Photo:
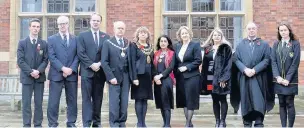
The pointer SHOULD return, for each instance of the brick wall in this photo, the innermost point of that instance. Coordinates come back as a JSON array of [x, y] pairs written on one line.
[[139, 13], [3, 68], [4, 32], [269, 13], [4, 25]]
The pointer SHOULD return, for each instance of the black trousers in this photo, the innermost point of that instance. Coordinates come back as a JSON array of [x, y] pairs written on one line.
[[118, 102], [27, 92], [92, 95], [54, 100], [287, 109]]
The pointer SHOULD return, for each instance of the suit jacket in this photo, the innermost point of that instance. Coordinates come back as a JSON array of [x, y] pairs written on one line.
[[60, 55], [192, 59], [88, 53], [26, 60], [291, 54], [111, 60]]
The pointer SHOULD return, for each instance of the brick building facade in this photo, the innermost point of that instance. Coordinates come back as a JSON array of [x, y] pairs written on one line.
[[266, 13]]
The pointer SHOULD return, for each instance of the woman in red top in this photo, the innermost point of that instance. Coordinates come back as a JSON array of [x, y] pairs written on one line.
[[164, 78]]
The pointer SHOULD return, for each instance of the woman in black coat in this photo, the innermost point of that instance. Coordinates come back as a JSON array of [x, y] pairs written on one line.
[[188, 58], [164, 79], [285, 63], [216, 73], [144, 67]]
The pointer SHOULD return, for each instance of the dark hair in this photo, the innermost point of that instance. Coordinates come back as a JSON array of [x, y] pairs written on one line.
[[97, 14], [34, 20], [291, 34], [170, 46]]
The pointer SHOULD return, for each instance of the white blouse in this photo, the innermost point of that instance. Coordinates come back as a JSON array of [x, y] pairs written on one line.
[[182, 51]]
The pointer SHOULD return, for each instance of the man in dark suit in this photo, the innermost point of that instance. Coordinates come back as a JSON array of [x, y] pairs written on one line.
[[93, 78], [62, 50], [118, 62], [32, 59]]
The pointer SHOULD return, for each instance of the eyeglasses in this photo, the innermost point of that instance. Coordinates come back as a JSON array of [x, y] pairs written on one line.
[[63, 23]]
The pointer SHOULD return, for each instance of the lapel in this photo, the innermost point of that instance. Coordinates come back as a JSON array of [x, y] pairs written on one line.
[[60, 40], [91, 39], [101, 38], [113, 40], [188, 50], [30, 47], [247, 48], [178, 47], [40, 46]]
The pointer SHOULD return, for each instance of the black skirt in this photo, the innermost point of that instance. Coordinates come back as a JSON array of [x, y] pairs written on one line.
[[187, 92], [164, 94], [144, 89]]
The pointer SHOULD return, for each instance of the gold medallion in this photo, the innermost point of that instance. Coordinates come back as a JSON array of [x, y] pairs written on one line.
[[122, 54]]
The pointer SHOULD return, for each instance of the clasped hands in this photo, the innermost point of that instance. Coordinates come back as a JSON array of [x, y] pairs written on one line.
[[95, 66], [282, 81], [249, 72], [66, 71], [35, 73], [114, 82]]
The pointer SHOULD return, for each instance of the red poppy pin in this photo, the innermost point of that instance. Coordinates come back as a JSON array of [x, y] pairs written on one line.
[[141, 47], [206, 51], [289, 44], [258, 43], [38, 47]]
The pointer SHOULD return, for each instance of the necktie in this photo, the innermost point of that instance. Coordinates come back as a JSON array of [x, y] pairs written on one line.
[[96, 39], [34, 41], [284, 44], [35, 52], [121, 43], [65, 40], [251, 46]]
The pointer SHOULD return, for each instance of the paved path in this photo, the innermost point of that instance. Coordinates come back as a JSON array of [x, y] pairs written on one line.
[[202, 118]]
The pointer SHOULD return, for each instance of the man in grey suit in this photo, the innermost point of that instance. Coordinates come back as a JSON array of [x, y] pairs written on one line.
[[62, 50], [93, 78], [32, 59], [118, 62]]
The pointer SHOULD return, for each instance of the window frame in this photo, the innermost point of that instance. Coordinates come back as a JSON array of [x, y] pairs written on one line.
[[45, 15], [245, 13]]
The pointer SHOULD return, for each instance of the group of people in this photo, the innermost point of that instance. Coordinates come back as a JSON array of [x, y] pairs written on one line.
[[151, 73]]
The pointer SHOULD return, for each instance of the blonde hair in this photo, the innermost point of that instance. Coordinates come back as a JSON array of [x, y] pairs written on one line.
[[178, 33], [209, 41], [142, 29]]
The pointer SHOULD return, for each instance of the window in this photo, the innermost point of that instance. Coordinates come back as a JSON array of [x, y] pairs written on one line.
[[58, 6], [85, 6], [175, 5], [172, 24], [202, 27], [202, 16], [231, 5], [202, 5], [81, 24], [48, 11], [52, 26], [31, 5]]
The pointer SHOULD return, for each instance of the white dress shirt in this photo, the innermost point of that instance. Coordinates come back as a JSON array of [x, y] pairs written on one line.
[[182, 51]]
